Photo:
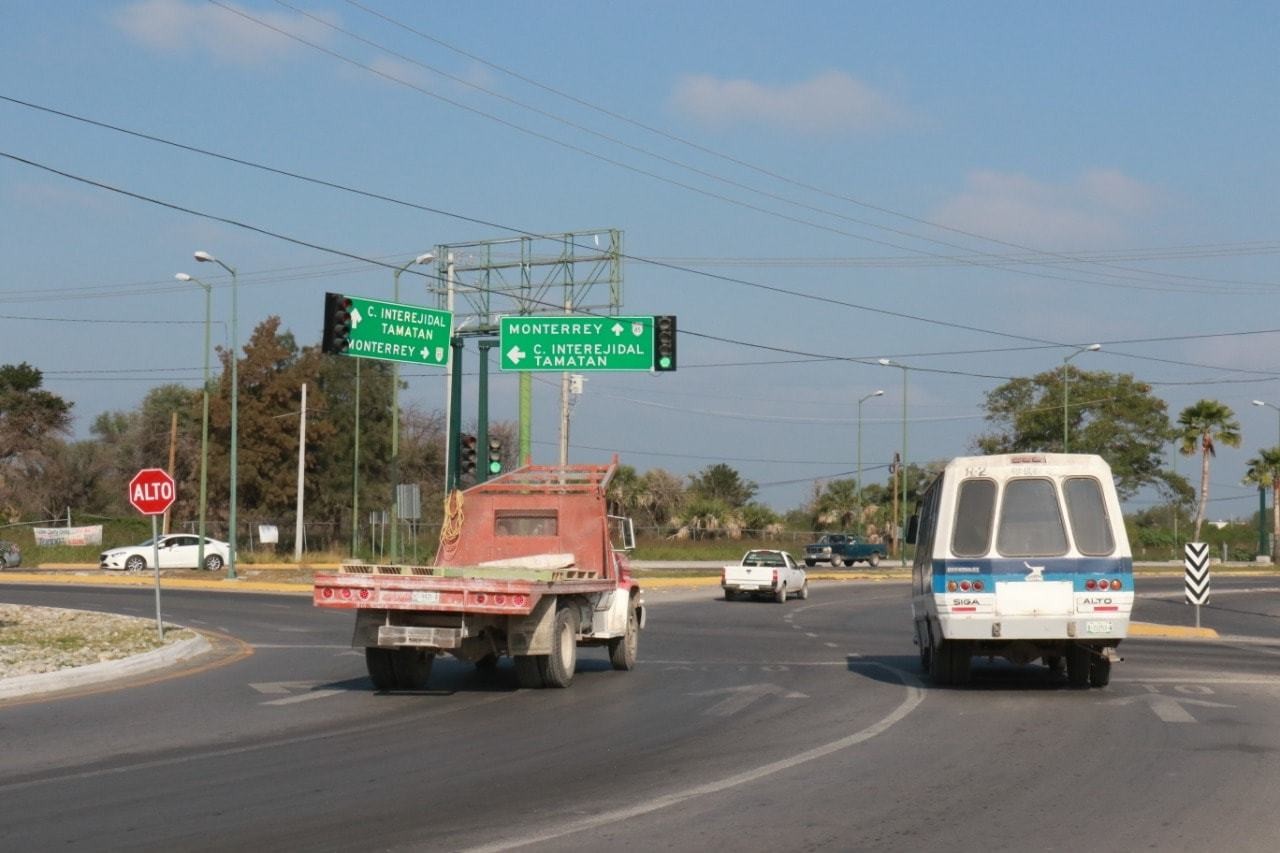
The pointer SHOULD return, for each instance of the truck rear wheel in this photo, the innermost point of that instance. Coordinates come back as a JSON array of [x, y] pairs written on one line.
[[381, 668], [558, 667], [623, 650], [837, 561], [412, 668], [804, 590], [873, 560], [810, 563], [780, 595]]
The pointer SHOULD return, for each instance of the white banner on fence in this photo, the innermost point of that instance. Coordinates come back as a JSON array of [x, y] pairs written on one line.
[[88, 535], [268, 534]]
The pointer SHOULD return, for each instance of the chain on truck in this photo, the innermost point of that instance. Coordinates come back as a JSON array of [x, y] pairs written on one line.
[[530, 564]]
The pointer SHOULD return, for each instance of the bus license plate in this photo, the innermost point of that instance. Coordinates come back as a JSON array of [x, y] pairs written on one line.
[[426, 598], [1099, 627]]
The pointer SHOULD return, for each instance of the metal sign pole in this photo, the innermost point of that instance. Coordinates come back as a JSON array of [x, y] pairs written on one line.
[[155, 562]]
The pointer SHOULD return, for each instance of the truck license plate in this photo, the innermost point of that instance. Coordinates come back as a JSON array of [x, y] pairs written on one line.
[[426, 598], [1099, 627]]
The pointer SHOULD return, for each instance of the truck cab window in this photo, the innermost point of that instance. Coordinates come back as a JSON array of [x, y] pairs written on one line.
[[526, 523]]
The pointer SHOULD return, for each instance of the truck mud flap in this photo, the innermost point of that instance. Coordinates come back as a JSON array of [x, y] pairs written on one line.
[[531, 635], [396, 629]]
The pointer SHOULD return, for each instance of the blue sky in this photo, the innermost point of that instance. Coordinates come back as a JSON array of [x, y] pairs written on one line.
[[972, 190]]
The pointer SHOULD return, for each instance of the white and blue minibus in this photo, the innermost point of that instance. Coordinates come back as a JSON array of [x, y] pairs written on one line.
[[1021, 556]]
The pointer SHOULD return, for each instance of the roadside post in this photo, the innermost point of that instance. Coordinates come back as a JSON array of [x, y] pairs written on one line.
[[1196, 561], [151, 492]]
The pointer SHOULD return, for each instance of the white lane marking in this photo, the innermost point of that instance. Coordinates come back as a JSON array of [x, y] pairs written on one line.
[[1169, 708], [1268, 681], [304, 697], [281, 687], [704, 664], [915, 695], [740, 697]]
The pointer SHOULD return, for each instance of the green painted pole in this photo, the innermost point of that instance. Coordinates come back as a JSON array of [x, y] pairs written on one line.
[[452, 474]]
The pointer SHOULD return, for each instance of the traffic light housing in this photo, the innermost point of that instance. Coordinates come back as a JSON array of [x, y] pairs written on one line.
[[495, 455], [467, 455], [664, 342], [336, 336]]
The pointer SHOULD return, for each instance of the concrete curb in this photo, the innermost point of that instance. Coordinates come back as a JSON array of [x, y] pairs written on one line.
[[111, 670]]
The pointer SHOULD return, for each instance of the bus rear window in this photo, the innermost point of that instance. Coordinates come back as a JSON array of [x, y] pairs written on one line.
[[525, 522], [1090, 526], [975, 508], [1031, 520]]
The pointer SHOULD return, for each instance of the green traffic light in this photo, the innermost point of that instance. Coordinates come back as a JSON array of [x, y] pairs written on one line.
[[664, 362], [495, 467]]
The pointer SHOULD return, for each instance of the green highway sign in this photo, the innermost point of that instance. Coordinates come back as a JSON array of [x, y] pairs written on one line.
[[576, 343], [392, 331]]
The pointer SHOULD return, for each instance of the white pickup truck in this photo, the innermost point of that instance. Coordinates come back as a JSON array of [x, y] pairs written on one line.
[[771, 574]]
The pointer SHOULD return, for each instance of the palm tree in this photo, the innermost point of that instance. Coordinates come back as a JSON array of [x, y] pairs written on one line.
[[1264, 470], [1200, 426]]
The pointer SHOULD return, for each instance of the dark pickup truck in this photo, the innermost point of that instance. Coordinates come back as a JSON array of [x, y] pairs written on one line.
[[840, 549]]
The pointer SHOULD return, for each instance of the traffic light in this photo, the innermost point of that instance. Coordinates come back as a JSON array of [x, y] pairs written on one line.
[[664, 342], [467, 456], [336, 336], [495, 455]]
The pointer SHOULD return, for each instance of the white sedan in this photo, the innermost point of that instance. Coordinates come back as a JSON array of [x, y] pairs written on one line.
[[177, 551]]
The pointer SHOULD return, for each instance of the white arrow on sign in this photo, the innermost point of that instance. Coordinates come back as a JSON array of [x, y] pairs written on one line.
[[1169, 708], [617, 329], [516, 354], [356, 317], [741, 697]]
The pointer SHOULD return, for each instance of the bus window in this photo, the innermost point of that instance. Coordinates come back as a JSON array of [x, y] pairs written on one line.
[[975, 507], [1090, 526], [1030, 520]]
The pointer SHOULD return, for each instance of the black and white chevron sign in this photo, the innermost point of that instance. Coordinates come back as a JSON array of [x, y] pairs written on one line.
[[1196, 559]]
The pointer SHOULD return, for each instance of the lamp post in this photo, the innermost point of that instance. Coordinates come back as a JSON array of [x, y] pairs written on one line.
[[1066, 388], [858, 501], [425, 258], [902, 549], [1262, 492], [1270, 406], [206, 258], [204, 418]]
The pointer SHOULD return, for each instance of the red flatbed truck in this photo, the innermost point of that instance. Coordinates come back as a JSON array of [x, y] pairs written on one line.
[[530, 564]]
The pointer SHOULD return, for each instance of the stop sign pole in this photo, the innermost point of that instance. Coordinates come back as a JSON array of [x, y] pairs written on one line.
[[152, 492]]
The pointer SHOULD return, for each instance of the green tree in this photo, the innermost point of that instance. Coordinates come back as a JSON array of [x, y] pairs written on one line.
[[722, 483], [1264, 470], [1113, 415], [32, 423], [838, 506], [1200, 427]]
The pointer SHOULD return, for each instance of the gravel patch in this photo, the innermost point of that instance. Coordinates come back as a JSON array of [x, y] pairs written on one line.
[[36, 640]]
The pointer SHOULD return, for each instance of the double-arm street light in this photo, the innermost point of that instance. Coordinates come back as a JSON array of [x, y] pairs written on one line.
[[1066, 388], [204, 418], [858, 501], [902, 464], [206, 258], [425, 258]]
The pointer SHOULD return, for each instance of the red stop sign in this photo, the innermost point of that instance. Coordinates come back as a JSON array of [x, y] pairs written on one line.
[[151, 491]]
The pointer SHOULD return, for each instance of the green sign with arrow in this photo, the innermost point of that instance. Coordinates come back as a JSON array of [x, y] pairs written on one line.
[[392, 331], [578, 343]]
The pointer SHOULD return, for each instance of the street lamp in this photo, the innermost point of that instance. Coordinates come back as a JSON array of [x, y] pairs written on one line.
[[1269, 406], [1262, 492], [902, 547], [204, 419], [858, 501], [424, 258], [206, 258], [1066, 387]]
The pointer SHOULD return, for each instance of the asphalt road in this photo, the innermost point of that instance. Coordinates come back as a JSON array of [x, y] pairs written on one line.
[[747, 726]]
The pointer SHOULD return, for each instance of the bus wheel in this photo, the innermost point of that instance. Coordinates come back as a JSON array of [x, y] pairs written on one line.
[[1099, 671], [1078, 665]]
